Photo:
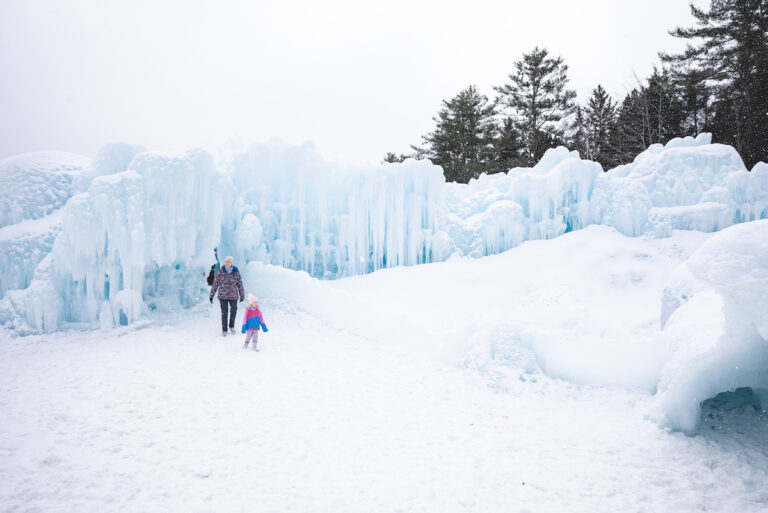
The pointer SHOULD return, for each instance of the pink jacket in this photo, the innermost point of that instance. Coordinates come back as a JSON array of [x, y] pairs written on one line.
[[253, 319]]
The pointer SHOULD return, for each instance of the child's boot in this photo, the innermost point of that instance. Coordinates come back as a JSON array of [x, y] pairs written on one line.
[[255, 347], [245, 346]]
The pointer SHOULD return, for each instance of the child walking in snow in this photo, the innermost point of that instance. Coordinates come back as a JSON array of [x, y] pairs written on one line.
[[252, 321]]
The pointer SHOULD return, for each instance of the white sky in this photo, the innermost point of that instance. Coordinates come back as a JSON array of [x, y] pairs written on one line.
[[357, 78]]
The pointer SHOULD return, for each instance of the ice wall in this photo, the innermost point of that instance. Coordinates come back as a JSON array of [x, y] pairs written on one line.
[[497, 212], [136, 239], [33, 189], [688, 184], [695, 185], [142, 233], [294, 210], [714, 319], [34, 185], [23, 246]]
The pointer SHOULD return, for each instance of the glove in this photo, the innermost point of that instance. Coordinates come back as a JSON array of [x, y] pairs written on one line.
[[242, 299], [243, 330], [211, 299], [264, 328]]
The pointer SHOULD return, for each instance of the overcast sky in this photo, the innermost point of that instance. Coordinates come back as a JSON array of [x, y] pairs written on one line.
[[357, 78]]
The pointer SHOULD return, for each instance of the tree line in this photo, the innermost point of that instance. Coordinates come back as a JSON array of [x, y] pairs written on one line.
[[719, 84]]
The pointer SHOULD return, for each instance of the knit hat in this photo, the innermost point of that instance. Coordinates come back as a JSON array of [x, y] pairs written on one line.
[[252, 299], [229, 259]]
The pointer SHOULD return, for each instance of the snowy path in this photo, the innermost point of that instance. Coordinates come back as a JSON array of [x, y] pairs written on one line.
[[178, 419]]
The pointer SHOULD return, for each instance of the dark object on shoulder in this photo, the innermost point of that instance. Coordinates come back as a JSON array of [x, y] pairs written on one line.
[[211, 275]]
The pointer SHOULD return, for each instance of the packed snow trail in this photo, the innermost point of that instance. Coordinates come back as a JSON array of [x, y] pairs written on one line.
[[170, 416]]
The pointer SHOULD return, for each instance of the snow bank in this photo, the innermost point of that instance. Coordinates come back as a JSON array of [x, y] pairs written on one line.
[[336, 307], [582, 307], [714, 319]]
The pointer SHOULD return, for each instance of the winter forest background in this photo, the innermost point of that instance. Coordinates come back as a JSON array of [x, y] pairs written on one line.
[[717, 85]]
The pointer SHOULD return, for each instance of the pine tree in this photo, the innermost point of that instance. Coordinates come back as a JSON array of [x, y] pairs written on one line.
[[693, 90], [730, 48], [663, 108], [394, 158], [600, 116], [652, 113], [628, 136], [462, 142], [539, 100], [508, 146], [577, 139]]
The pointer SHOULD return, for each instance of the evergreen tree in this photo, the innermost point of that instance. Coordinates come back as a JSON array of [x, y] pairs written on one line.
[[418, 153], [662, 108], [539, 100], [726, 119], [600, 116], [695, 95], [393, 158], [578, 134], [652, 113], [544, 141], [508, 146], [462, 142], [730, 48], [628, 136]]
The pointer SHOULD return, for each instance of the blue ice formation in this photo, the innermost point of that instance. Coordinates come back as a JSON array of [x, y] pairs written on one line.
[[713, 319], [138, 228]]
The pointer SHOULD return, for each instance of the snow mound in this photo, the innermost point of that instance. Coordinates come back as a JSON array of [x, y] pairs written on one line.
[[33, 185], [582, 307], [714, 320], [336, 307]]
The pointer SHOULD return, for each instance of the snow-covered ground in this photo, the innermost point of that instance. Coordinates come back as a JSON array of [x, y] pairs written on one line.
[[432, 388]]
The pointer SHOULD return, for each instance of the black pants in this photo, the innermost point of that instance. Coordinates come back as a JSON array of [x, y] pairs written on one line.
[[231, 305]]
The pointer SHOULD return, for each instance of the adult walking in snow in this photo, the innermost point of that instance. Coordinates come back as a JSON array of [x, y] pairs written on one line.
[[230, 286]]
